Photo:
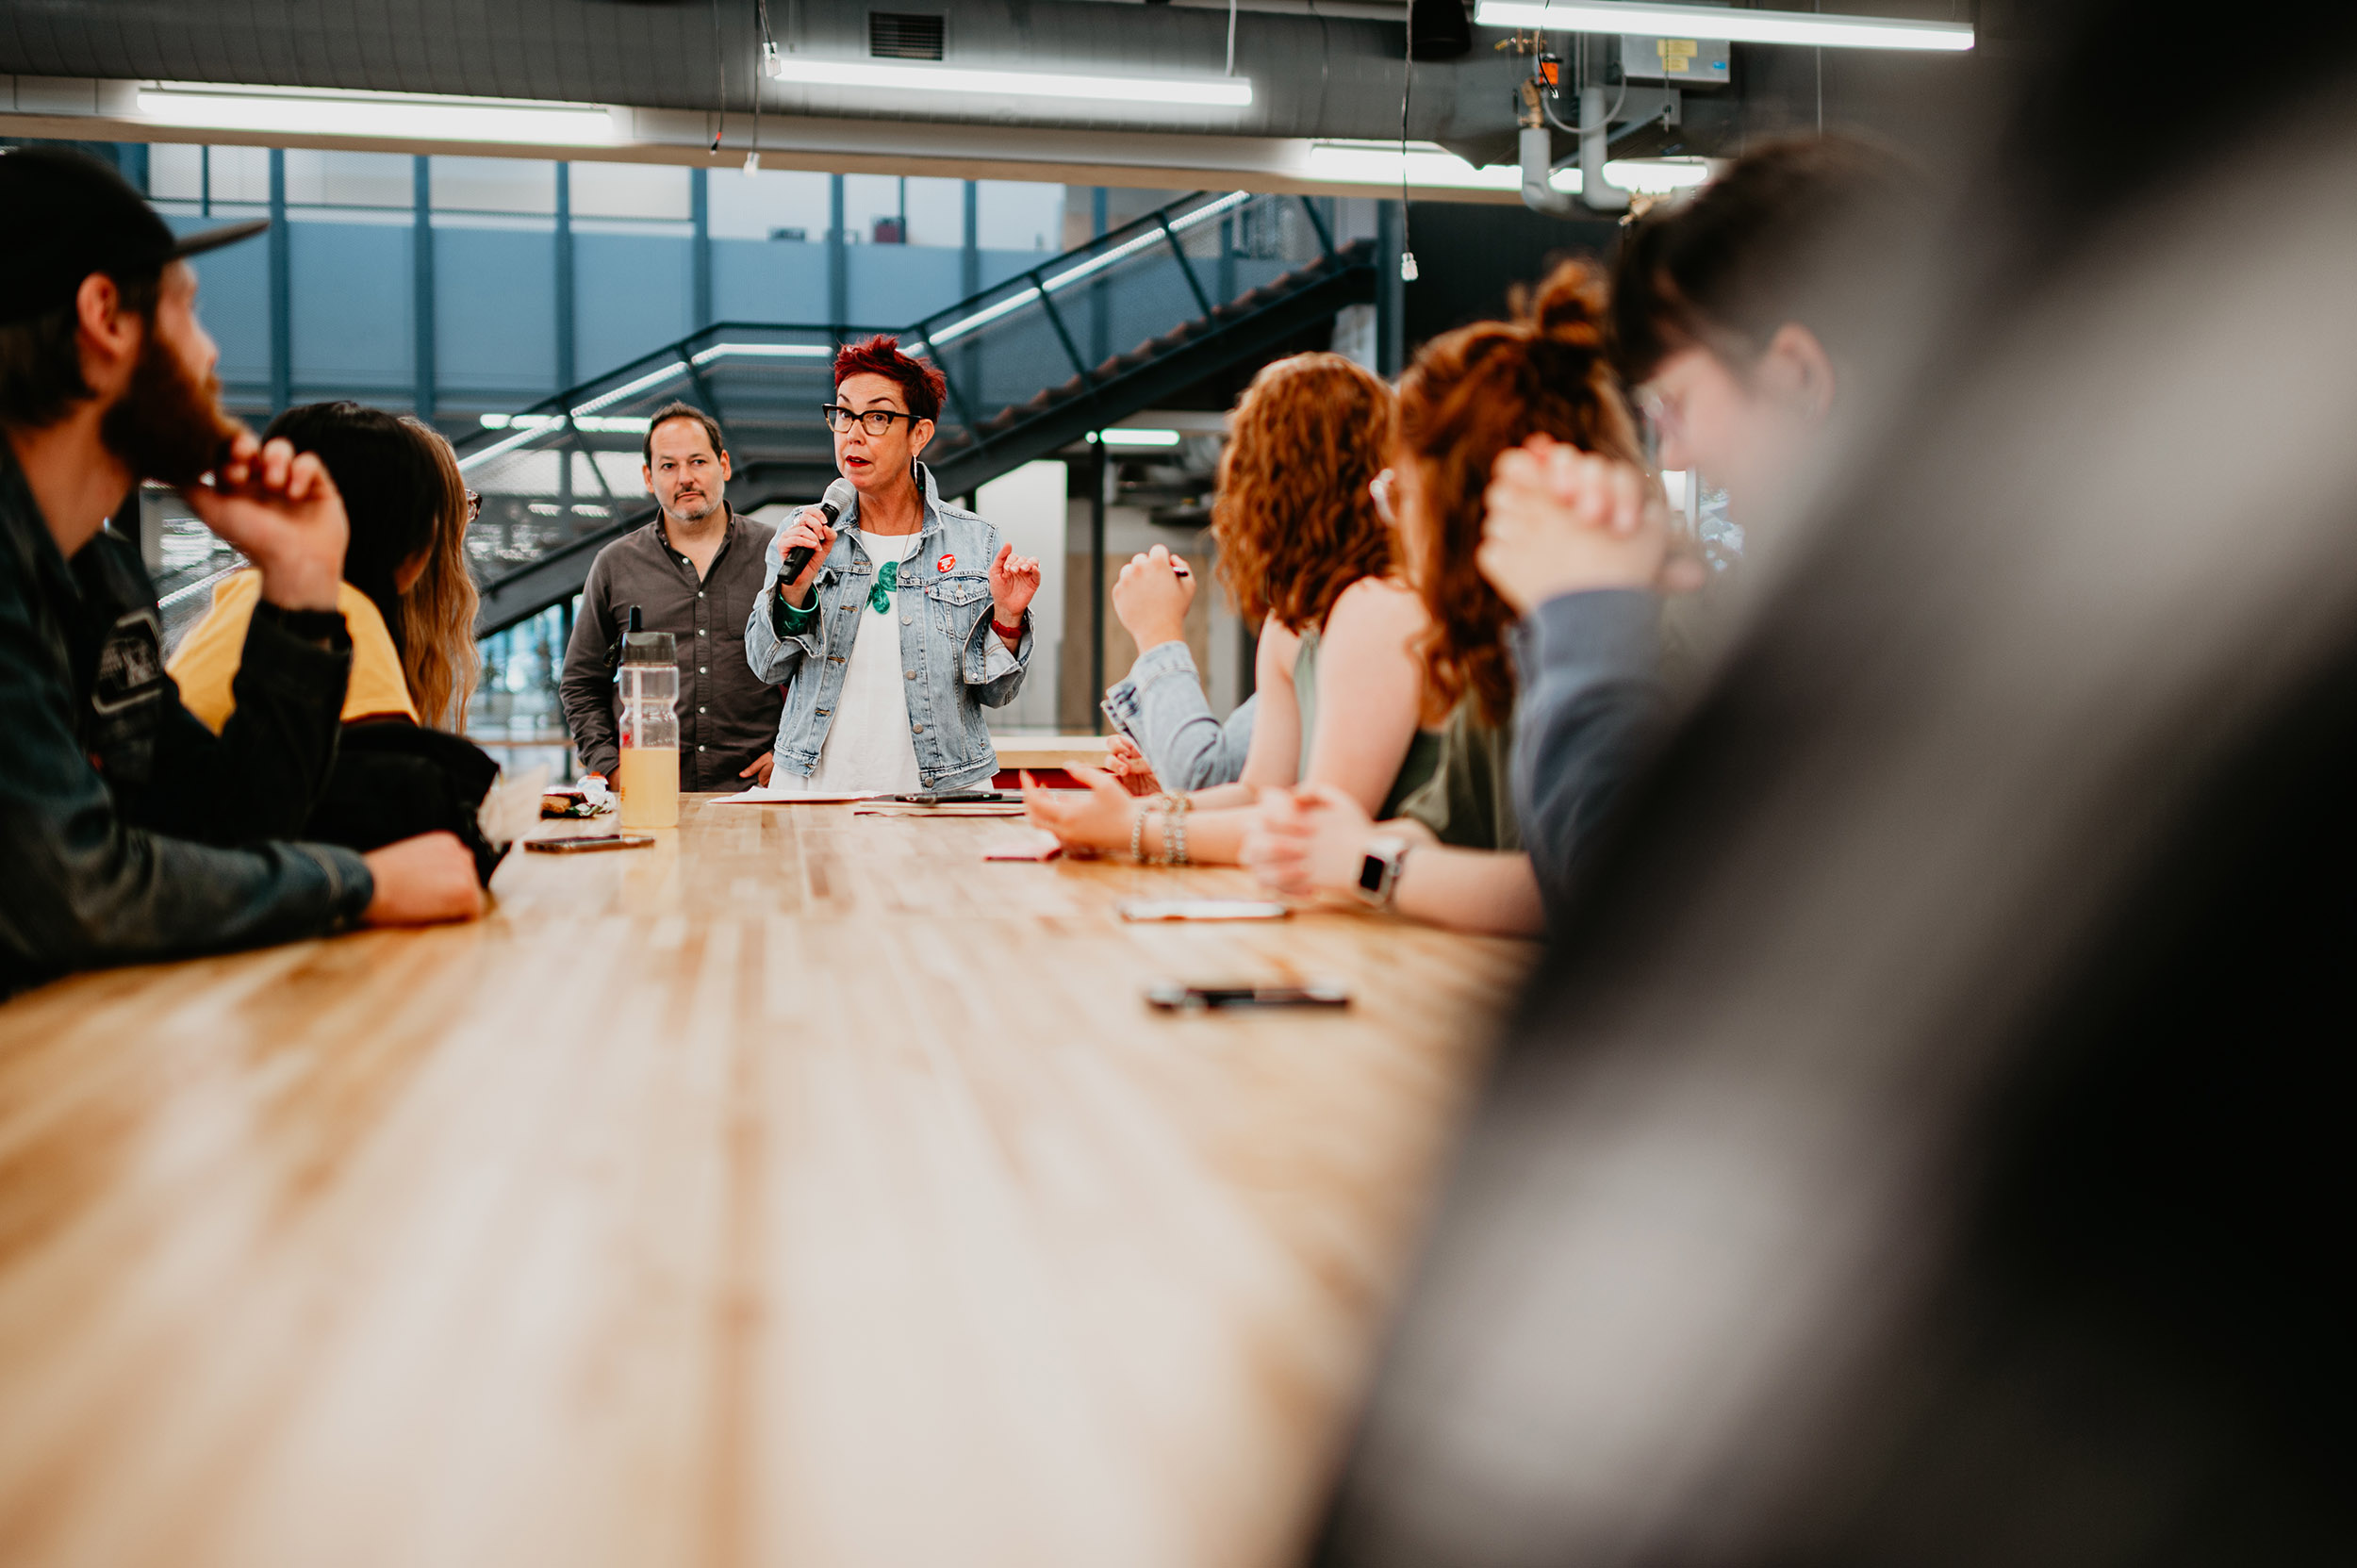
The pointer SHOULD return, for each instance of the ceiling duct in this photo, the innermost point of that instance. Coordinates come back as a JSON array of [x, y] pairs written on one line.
[[905, 34]]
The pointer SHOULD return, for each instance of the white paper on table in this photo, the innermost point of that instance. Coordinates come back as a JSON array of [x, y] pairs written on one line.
[[758, 797]]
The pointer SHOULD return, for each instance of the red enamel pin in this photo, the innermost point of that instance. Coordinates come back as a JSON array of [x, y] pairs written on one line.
[[945, 563]]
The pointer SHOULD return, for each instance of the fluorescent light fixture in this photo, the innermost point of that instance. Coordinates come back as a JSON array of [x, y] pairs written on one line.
[[763, 351], [1216, 92], [399, 116], [1140, 437], [1657, 177], [1736, 25]]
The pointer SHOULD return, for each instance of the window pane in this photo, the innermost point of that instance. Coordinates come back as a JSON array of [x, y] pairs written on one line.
[[760, 204], [936, 213], [494, 185], [865, 199], [632, 190], [175, 171], [241, 175], [349, 179], [1018, 216]]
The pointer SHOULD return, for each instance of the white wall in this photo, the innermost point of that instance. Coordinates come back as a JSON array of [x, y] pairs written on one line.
[[1027, 508]]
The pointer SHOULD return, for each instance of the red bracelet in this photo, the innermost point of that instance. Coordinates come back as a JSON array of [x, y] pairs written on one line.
[[1015, 631]]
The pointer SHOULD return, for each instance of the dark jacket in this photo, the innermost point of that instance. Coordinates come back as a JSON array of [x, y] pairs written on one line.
[[129, 832], [727, 715], [1588, 671]]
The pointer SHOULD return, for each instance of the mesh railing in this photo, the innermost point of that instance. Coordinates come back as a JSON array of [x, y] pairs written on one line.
[[568, 470]]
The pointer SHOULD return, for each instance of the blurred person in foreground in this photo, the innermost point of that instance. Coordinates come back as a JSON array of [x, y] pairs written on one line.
[[694, 571], [408, 604], [1454, 856], [1924, 1139], [1166, 737], [1751, 370], [1305, 551], [128, 829]]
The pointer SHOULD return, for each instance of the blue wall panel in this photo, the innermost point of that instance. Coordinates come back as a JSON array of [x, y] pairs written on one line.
[[353, 295], [895, 285], [232, 302], [495, 315], [769, 280], [634, 293]]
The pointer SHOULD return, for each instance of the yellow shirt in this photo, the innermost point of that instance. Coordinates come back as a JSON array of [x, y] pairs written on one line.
[[207, 659]]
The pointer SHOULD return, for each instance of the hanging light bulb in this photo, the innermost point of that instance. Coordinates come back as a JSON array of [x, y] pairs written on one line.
[[752, 163], [771, 64], [1407, 266]]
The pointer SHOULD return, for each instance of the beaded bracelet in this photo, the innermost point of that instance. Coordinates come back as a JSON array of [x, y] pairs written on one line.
[[1174, 837], [1137, 836]]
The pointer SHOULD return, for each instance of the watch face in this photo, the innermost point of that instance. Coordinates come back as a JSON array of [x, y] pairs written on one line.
[[1371, 873]]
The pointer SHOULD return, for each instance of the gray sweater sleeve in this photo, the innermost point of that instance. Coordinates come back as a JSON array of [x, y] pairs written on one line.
[[1591, 694]]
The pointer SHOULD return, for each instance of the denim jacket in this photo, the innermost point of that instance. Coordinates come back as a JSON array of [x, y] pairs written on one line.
[[959, 667], [1162, 707], [128, 831]]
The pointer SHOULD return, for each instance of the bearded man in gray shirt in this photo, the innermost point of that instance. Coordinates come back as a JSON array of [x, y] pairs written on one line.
[[694, 572]]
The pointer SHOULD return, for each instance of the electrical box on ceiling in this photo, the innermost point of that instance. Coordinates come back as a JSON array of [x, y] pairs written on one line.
[[1683, 61]]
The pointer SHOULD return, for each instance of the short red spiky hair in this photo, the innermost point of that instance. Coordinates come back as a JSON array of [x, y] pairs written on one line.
[[922, 385]]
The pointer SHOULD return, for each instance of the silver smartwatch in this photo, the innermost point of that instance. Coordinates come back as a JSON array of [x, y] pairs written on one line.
[[1379, 865]]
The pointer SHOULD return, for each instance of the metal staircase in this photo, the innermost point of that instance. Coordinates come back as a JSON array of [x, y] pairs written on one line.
[[1034, 363]]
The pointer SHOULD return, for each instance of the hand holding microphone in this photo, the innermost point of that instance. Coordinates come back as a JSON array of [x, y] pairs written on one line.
[[806, 543]]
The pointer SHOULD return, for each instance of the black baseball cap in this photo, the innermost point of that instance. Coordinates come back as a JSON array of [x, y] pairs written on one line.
[[69, 216]]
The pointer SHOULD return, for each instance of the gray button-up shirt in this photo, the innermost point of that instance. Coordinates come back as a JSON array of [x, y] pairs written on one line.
[[727, 718]]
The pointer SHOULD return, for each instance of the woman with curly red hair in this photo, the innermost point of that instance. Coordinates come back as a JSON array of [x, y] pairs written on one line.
[[1305, 551], [1455, 856]]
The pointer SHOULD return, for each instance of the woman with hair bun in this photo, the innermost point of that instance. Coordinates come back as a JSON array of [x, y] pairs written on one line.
[[1304, 550], [1453, 857]]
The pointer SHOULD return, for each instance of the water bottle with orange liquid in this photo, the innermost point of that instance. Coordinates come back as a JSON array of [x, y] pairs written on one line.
[[647, 778]]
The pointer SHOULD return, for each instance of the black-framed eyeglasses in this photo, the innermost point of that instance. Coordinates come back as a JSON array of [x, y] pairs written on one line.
[[874, 421], [474, 506]]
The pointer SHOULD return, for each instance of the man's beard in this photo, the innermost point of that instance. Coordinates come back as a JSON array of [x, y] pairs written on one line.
[[709, 505], [167, 426]]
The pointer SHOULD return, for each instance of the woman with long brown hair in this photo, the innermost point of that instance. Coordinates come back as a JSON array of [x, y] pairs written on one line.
[[1455, 856], [1304, 550], [440, 658]]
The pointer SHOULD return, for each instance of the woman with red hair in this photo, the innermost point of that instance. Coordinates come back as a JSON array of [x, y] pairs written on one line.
[[1304, 548], [1455, 856], [909, 618]]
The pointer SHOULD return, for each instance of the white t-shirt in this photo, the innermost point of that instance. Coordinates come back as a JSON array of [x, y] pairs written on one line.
[[869, 746]]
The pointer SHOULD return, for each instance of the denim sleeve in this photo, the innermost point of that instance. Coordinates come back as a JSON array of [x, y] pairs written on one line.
[[1591, 693], [994, 672], [778, 636], [79, 887], [1162, 707]]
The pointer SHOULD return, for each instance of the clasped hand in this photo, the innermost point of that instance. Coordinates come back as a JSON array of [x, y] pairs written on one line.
[[1562, 521]]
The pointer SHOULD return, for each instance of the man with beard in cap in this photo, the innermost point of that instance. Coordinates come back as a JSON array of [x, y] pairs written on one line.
[[128, 831]]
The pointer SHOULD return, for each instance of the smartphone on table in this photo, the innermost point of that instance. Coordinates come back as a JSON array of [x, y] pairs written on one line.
[[1179, 997], [589, 843]]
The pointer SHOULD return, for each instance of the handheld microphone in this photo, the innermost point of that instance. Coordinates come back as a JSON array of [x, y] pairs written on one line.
[[837, 497]]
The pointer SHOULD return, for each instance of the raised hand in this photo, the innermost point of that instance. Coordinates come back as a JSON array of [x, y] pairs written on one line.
[[1085, 822], [1562, 520], [1013, 581], [810, 528], [282, 511], [1151, 596]]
